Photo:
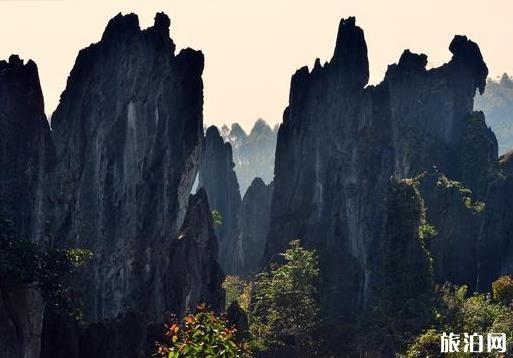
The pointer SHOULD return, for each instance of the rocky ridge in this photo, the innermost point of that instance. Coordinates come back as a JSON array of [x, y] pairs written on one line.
[[340, 143]]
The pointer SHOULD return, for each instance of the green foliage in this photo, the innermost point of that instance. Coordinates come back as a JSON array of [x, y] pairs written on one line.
[[285, 306], [237, 290], [466, 193], [459, 313], [425, 345], [478, 206], [502, 290], [201, 335], [217, 217], [427, 231], [26, 262]]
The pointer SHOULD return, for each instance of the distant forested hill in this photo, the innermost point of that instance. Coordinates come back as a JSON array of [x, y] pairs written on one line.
[[253, 154], [497, 104]]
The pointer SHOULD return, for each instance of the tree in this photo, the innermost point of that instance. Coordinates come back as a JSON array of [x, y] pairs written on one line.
[[285, 306], [502, 290], [202, 335]]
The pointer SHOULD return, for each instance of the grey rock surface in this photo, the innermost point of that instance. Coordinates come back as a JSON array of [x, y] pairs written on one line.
[[193, 278], [456, 218], [127, 133], [254, 218], [218, 178], [341, 141], [26, 156], [26, 150]]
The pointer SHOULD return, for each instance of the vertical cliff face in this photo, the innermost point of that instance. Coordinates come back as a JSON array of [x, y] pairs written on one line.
[[406, 282], [128, 134], [26, 156], [495, 241], [456, 218], [218, 178], [26, 151], [193, 278], [196, 274], [254, 218], [340, 142]]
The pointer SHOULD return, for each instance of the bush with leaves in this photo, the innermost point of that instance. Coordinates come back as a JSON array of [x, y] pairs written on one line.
[[217, 218], [202, 335], [238, 290], [285, 307], [502, 290]]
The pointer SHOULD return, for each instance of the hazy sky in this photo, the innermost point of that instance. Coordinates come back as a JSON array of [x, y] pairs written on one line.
[[253, 47]]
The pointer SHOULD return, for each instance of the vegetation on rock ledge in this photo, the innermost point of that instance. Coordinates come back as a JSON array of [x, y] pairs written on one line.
[[25, 262]]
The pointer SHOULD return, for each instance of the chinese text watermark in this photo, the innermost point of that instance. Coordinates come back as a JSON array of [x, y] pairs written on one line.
[[473, 343]]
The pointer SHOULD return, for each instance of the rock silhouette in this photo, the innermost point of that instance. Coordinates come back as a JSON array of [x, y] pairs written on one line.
[[340, 143]]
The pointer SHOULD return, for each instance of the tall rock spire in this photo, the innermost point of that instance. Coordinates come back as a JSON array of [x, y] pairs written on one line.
[[217, 176], [128, 133]]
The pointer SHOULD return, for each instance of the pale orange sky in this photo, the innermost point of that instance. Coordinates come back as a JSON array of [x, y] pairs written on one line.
[[253, 47]]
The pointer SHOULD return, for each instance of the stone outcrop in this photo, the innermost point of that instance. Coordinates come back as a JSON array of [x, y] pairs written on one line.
[[456, 218], [114, 177], [254, 218], [495, 240], [26, 151], [26, 156], [218, 178], [193, 278], [128, 135], [341, 141], [407, 274], [21, 321]]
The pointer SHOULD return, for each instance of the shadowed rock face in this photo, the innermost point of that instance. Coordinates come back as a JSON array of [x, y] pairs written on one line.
[[193, 278], [26, 151], [218, 178], [26, 156], [128, 135], [195, 274], [340, 142], [254, 220], [495, 242], [453, 213]]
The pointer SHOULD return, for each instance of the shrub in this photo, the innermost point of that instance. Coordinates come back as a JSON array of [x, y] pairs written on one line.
[[426, 345], [217, 217], [460, 313], [502, 289], [202, 335], [237, 290], [285, 307]]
